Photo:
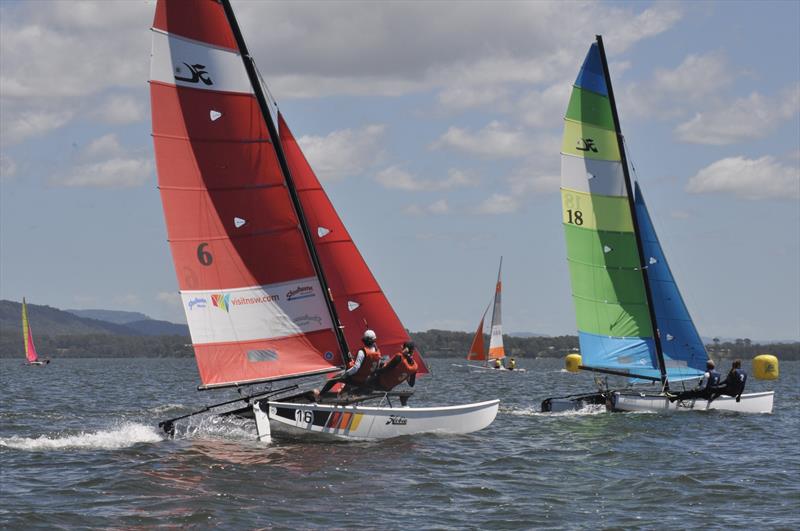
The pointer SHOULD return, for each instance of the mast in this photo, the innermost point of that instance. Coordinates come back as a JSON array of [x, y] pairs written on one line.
[[629, 189], [276, 143]]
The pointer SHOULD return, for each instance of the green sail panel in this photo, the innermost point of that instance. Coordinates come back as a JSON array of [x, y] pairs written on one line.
[[598, 212], [617, 286], [589, 141], [590, 108], [612, 320], [601, 248]]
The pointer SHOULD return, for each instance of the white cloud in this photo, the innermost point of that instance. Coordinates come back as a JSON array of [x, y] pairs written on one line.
[[113, 173], [762, 178], [546, 107], [343, 153], [496, 140], [104, 163], [121, 109], [18, 125], [396, 178], [745, 118], [499, 204], [437, 207], [127, 300], [670, 91], [104, 146]]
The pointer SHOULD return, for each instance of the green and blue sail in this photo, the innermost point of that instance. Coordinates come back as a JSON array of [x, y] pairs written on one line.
[[610, 291]]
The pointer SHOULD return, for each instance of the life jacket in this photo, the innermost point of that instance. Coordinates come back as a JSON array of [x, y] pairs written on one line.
[[740, 378], [713, 379], [397, 374], [371, 358]]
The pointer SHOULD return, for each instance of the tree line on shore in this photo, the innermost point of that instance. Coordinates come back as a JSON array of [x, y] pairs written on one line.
[[432, 343]]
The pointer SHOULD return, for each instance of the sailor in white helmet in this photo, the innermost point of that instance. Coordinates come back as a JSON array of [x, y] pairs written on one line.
[[361, 368]]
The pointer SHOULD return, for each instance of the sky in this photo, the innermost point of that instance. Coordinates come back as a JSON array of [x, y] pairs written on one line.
[[435, 128]]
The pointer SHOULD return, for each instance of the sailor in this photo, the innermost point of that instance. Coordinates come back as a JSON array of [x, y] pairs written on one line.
[[705, 388], [512, 364], [401, 368], [734, 382], [358, 370], [498, 364]]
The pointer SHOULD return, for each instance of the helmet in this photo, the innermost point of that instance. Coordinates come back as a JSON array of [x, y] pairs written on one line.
[[369, 337]]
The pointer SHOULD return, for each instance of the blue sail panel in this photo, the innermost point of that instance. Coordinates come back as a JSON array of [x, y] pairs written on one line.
[[635, 354], [591, 77], [684, 353]]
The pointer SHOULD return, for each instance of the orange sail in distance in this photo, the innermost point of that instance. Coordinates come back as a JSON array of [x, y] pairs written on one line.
[[496, 350]]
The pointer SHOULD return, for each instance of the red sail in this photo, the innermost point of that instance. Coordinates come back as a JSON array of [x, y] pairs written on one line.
[[253, 301], [477, 351], [359, 300]]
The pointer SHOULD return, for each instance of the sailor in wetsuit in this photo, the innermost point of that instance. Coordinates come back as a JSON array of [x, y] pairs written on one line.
[[705, 389], [733, 385]]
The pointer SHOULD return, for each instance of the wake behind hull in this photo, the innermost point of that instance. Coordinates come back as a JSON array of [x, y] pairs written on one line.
[[356, 422], [749, 403]]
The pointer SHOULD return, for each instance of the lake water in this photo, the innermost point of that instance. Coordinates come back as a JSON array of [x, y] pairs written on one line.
[[79, 447]]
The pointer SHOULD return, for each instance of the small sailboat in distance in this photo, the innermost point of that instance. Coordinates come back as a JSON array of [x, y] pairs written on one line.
[[31, 357], [632, 320], [272, 284], [497, 352]]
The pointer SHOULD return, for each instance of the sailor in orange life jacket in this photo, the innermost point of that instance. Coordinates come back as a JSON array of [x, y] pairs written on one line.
[[402, 367], [360, 369]]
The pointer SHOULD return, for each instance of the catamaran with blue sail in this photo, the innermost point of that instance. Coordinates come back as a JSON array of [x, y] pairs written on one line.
[[632, 321]]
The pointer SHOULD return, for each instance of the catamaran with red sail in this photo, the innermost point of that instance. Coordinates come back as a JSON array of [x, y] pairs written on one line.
[[492, 359], [31, 357], [272, 284]]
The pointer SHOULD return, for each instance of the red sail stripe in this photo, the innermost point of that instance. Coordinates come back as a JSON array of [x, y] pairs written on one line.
[[200, 20], [221, 364], [348, 275]]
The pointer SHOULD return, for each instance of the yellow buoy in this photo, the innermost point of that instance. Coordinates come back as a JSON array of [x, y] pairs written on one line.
[[765, 367], [572, 362]]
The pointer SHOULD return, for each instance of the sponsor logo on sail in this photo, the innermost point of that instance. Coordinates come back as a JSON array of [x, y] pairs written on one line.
[[225, 302], [305, 320], [197, 302], [328, 355], [221, 301], [397, 420], [197, 71], [301, 292]]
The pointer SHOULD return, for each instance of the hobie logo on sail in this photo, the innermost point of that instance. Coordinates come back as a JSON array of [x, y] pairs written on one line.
[[221, 301], [588, 145], [198, 72], [301, 292]]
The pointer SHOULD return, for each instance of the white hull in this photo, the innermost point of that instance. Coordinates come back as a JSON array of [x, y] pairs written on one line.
[[357, 422], [749, 403]]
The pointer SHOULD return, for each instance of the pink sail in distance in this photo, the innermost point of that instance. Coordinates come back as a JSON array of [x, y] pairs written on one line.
[[30, 349]]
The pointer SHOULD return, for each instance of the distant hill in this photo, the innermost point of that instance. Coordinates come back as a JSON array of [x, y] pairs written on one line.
[[110, 316], [60, 333], [153, 327], [46, 320]]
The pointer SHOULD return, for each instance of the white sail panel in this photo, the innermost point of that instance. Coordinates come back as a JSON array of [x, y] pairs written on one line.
[[187, 63], [256, 313], [591, 176]]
